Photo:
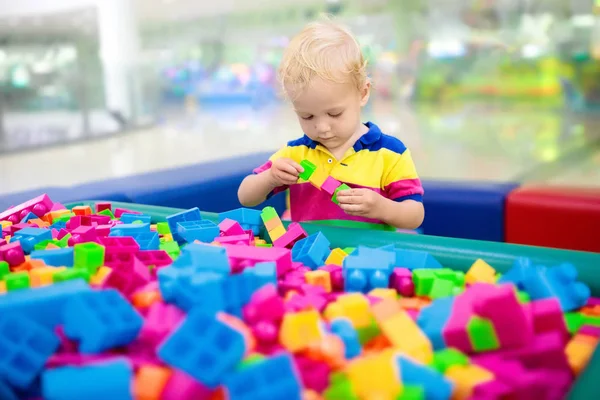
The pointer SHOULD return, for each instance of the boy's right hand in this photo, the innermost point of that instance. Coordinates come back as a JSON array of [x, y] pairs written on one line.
[[285, 171]]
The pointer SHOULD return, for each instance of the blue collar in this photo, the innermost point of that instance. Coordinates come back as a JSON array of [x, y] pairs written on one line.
[[373, 135]]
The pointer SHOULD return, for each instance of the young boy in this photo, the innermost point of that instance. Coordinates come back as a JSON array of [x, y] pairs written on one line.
[[323, 72]]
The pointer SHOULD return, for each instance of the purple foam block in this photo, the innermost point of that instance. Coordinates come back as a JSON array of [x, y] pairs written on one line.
[[314, 374]]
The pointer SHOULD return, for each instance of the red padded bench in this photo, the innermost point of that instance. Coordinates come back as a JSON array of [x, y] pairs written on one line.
[[561, 217]]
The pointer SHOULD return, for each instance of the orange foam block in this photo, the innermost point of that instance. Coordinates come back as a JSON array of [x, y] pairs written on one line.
[[579, 351], [150, 381], [466, 378], [43, 276], [39, 222], [319, 278], [2, 287], [384, 293], [52, 215], [299, 330], [143, 300], [317, 178], [413, 303], [329, 350], [82, 210], [480, 272], [402, 332], [98, 278]]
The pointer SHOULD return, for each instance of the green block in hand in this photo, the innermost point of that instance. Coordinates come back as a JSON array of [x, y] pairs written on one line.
[[343, 186], [309, 169]]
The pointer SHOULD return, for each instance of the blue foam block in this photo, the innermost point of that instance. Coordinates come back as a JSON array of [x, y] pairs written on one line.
[[128, 218], [432, 320], [204, 347], [55, 257], [343, 328], [436, 386], [311, 251], [98, 381]]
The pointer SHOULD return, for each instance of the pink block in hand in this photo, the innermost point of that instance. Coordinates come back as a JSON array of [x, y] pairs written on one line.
[[294, 233], [13, 254], [330, 185], [548, 317], [183, 387], [229, 227], [513, 326]]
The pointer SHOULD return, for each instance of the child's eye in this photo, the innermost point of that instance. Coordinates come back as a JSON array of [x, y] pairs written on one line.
[[307, 118], [336, 115]]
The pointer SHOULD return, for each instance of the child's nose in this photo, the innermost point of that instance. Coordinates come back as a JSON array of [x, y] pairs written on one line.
[[322, 127]]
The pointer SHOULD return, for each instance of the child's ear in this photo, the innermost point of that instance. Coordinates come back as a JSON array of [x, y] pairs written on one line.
[[365, 93]]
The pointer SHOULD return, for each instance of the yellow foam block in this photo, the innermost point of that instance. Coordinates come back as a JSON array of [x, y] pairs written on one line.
[[336, 257], [579, 352], [52, 215], [277, 233], [168, 237], [100, 275], [2, 287], [43, 276], [300, 329], [258, 241], [319, 278], [5, 224], [318, 178], [384, 293], [401, 331], [375, 376], [480, 272], [466, 378], [354, 306]]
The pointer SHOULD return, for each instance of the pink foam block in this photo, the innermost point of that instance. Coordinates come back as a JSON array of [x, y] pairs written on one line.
[[294, 233], [414, 314], [127, 276], [181, 386], [39, 206], [401, 281], [17, 227], [58, 207], [593, 301], [590, 330], [548, 317], [2, 242], [330, 185], [92, 220], [523, 384], [161, 319], [243, 239], [62, 233], [336, 276], [492, 390], [120, 244], [229, 227], [103, 206], [299, 302], [83, 234], [12, 253], [120, 211], [252, 255], [455, 332], [314, 374], [265, 304], [54, 233], [158, 258], [103, 230], [74, 222], [513, 326]]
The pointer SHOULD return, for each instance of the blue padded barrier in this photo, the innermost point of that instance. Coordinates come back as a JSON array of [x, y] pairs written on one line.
[[468, 210]]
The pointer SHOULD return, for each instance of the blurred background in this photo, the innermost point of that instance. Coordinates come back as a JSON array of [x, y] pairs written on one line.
[[499, 90]]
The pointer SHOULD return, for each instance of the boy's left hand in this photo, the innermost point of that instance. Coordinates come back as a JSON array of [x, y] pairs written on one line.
[[360, 202]]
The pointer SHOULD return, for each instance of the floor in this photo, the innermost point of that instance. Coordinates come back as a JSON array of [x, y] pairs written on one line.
[[472, 141]]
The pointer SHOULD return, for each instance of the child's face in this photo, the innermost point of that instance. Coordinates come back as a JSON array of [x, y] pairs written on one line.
[[330, 112]]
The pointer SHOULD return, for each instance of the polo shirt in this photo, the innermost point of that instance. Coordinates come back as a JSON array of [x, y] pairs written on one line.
[[376, 161]]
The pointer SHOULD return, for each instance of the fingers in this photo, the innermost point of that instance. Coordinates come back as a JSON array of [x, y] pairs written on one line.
[[352, 209], [289, 168], [296, 166]]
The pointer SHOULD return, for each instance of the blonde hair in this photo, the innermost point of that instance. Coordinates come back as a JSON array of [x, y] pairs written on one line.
[[326, 50]]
